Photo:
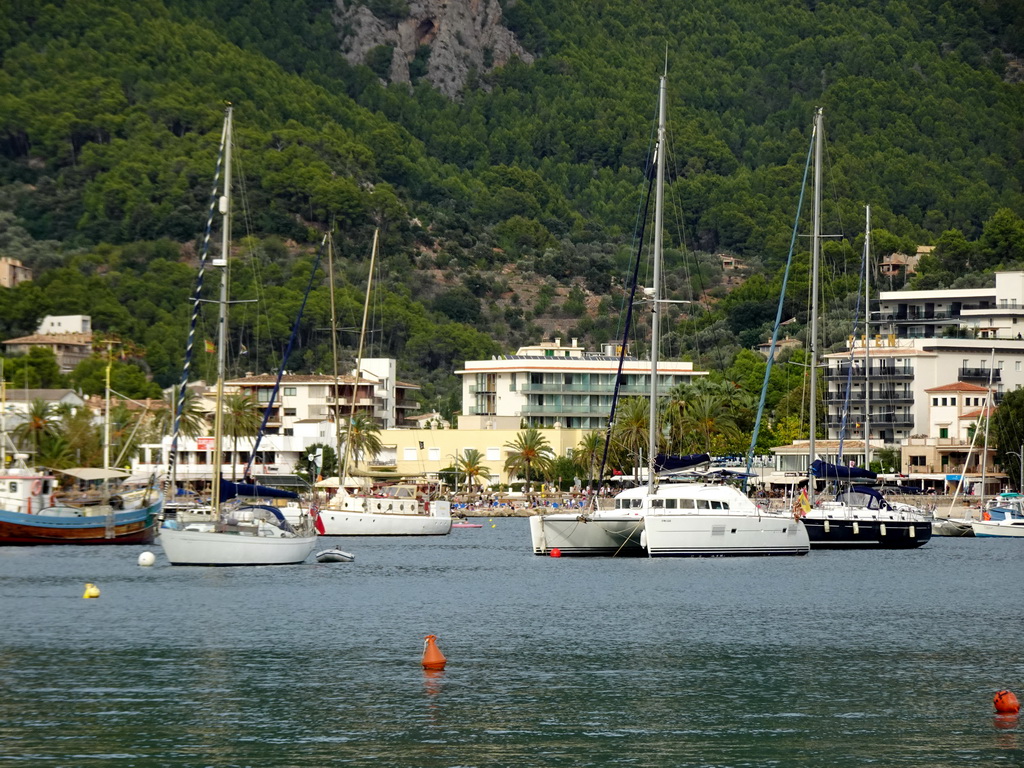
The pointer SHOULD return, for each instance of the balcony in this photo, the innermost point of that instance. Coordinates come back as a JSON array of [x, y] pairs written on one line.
[[877, 373], [980, 374], [560, 410]]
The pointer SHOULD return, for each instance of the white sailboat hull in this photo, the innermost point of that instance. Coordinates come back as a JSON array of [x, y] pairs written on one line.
[[698, 535], [573, 534], [361, 517], [1001, 528], [213, 548]]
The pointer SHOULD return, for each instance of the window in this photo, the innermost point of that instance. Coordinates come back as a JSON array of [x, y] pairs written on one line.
[[409, 454], [917, 461], [1016, 366], [944, 401], [434, 454], [14, 486], [289, 391], [288, 432], [935, 401], [494, 454], [289, 411], [952, 401], [943, 432], [263, 395]]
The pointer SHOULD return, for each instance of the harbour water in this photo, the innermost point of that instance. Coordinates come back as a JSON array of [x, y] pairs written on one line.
[[835, 659]]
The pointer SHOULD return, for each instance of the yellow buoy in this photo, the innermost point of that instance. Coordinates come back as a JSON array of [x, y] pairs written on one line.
[[91, 590]]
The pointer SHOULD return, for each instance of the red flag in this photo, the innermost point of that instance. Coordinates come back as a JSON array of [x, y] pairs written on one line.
[[314, 512]]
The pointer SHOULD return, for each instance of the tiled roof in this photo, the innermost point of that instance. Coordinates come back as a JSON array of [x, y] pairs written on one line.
[[81, 339], [959, 386]]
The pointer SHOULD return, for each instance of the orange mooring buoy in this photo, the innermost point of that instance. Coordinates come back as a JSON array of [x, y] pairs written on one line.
[[432, 656], [555, 552], [1006, 703]]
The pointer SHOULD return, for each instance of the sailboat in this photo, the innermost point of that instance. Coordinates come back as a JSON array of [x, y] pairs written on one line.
[[233, 533], [859, 517], [32, 513], [394, 507], [665, 519]]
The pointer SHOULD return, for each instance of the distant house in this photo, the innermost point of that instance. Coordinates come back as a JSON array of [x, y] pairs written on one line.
[[69, 336], [896, 264], [17, 401], [13, 272], [782, 344]]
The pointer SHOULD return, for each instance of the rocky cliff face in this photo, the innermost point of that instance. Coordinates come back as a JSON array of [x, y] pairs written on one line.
[[441, 40]]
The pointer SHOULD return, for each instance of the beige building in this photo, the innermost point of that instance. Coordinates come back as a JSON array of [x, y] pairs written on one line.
[[69, 336], [13, 272]]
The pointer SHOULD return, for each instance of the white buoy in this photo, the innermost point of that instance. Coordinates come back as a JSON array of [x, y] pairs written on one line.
[[147, 558]]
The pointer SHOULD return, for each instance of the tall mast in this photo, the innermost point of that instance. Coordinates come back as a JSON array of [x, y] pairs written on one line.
[[659, 217], [222, 317], [359, 356], [815, 261], [334, 354], [867, 337], [106, 425]]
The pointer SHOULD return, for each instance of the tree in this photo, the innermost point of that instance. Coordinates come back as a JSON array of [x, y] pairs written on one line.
[[308, 469], [630, 432], [470, 464], [529, 450], [362, 438], [1008, 432], [192, 423], [241, 418], [39, 424]]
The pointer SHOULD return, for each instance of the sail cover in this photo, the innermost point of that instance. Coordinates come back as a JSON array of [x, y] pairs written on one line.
[[664, 462], [229, 490], [828, 471]]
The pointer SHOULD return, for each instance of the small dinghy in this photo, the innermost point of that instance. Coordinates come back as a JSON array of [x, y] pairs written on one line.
[[334, 556]]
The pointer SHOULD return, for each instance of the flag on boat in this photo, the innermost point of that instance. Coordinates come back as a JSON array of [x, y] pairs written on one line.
[[314, 512], [209, 347], [805, 503]]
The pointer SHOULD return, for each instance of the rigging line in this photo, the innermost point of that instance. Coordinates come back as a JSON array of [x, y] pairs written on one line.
[[778, 312], [639, 223], [625, 341], [196, 305], [284, 361], [849, 374]]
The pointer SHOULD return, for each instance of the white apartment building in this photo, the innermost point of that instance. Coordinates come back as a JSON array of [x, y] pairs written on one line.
[[551, 385], [925, 340]]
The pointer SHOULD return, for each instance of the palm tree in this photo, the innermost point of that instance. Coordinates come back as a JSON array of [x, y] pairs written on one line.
[[630, 431], [241, 419], [39, 424], [191, 424], [530, 450], [587, 455], [84, 439], [362, 437], [470, 464]]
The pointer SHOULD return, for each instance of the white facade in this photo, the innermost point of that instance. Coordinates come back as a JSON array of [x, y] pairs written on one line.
[[52, 324], [927, 339], [551, 385]]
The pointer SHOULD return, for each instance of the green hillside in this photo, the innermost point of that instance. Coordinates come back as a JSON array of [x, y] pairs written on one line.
[[508, 213]]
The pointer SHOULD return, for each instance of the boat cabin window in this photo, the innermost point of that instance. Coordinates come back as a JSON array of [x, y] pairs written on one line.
[[14, 486], [658, 503], [686, 504], [670, 503], [719, 505], [703, 504]]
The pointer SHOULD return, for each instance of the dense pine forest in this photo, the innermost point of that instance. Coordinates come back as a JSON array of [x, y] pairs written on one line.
[[509, 211]]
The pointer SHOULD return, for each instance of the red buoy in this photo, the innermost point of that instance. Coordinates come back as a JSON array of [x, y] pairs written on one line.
[[432, 656], [555, 552], [1006, 703]]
